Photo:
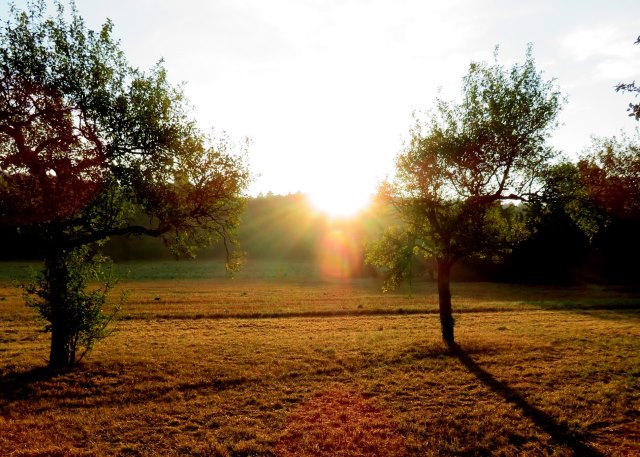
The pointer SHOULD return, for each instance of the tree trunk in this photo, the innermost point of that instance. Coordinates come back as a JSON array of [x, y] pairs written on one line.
[[59, 355], [444, 299], [57, 276]]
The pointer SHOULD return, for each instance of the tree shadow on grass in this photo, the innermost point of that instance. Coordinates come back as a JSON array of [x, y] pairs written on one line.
[[559, 432], [75, 388], [612, 309], [16, 386]]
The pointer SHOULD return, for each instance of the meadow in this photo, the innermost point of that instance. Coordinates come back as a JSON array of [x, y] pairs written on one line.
[[278, 361]]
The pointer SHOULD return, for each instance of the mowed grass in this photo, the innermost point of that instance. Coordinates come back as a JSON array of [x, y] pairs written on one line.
[[286, 364]]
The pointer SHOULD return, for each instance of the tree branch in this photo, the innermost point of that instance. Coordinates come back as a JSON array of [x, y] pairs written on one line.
[[129, 230]]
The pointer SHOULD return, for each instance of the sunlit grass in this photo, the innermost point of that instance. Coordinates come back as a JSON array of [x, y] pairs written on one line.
[[179, 376]]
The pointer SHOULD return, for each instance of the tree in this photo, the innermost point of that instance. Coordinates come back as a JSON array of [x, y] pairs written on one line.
[[458, 170], [87, 144], [60, 295], [561, 220], [634, 108], [610, 174], [610, 170], [589, 212]]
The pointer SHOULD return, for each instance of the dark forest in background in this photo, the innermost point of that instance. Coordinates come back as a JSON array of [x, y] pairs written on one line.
[[276, 227]]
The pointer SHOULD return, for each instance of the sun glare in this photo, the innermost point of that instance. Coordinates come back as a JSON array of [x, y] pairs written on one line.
[[339, 205]]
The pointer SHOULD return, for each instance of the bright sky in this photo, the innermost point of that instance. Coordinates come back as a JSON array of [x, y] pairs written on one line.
[[325, 88]]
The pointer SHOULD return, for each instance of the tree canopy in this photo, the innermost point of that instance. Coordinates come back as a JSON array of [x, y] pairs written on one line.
[[610, 171], [85, 139]]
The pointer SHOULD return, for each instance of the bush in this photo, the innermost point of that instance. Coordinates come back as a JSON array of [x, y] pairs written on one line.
[[75, 314]]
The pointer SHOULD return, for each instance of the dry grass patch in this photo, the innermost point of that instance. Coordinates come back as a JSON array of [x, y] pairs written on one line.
[[534, 382], [339, 422]]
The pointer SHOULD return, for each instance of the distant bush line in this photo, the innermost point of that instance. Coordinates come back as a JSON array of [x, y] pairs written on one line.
[[285, 228]]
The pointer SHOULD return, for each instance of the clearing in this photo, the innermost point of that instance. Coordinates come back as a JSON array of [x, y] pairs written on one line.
[[274, 363]]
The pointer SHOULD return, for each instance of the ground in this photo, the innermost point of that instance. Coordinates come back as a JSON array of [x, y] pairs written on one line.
[[280, 364]]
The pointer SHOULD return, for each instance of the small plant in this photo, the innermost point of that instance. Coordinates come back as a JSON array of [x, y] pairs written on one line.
[[75, 314]]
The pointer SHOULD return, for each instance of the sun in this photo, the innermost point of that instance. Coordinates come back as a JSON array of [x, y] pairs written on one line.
[[338, 204]]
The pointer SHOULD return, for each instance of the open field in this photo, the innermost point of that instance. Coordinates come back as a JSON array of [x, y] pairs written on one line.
[[275, 363]]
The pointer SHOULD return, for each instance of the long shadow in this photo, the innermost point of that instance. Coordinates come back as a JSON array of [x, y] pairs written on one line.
[[19, 386], [559, 432], [14, 386], [620, 308]]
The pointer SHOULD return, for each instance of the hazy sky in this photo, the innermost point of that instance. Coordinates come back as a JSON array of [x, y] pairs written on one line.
[[326, 88]]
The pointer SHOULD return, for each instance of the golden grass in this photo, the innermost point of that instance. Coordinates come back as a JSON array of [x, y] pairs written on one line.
[[180, 376], [340, 423]]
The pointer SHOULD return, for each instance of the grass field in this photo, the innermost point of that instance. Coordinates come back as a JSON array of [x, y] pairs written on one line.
[[278, 362]]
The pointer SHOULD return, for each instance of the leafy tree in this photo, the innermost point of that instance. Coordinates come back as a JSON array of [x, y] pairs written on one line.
[[634, 108], [610, 175], [589, 212], [462, 165], [562, 221], [87, 143], [610, 171]]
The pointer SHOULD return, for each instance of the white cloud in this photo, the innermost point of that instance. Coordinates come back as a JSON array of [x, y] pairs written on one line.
[[586, 43], [607, 49], [618, 69]]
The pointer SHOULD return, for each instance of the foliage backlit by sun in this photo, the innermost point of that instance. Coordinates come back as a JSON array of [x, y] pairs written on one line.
[[339, 205]]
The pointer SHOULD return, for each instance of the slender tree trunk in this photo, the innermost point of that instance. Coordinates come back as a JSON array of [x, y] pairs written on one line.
[[57, 276], [59, 356], [444, 299]]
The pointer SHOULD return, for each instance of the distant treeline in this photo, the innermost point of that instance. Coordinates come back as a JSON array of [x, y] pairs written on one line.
[[285, 227], [278, 227]]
